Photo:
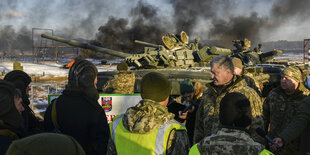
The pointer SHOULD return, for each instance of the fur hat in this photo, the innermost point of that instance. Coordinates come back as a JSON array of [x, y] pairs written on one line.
[[292, 72], [155, 86]]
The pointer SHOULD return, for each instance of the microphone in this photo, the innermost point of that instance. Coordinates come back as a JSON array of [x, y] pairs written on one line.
[[262, 133]]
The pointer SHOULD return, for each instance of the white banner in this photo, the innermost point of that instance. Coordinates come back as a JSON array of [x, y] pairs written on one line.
[[113, 104]]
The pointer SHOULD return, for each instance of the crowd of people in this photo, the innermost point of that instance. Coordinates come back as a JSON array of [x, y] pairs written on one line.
[[221, 117]]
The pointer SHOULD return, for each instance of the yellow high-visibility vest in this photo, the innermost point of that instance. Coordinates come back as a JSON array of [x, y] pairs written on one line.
[[194, 150], [134, 143]]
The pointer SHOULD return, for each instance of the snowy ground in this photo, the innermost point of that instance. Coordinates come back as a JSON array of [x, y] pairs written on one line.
[[40, 91], [46, 68]]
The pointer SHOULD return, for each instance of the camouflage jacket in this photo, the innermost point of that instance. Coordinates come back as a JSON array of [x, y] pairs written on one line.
[[147, 116], [278, 111], [251, 83], [207, 117], [122, 83], [229, 141], [300, 126]]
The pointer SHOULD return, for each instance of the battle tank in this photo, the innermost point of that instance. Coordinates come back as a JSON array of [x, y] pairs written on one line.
[[177, 59]]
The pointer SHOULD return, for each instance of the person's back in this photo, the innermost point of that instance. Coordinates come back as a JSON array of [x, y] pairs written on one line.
[[21, 80], [78, 112], [148, 128], [233, 137], [230, 141], [123, 81]]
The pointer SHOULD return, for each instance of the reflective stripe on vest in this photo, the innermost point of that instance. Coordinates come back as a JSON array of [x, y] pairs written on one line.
[[156, 140], [114, 125], [194, 150], [159, 145]]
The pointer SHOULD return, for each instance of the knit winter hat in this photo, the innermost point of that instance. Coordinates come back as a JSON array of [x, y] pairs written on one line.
[[186, 86], [122, 66], [8, 111], [47, 144], [237, 62], [18, 75], [155, 86], [20, 79], [292, 72]]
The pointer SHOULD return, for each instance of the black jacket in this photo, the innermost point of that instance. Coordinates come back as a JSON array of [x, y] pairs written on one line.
[[81, 117], [31, 122], [7, 135]]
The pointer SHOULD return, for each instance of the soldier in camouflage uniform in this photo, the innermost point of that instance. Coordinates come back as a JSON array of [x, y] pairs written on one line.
[[238, 70], [281, 104], [123, 81], [140, 129], [224, 81], [233, 137]]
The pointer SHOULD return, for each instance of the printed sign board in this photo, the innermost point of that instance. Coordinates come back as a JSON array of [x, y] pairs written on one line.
[[113, 104]]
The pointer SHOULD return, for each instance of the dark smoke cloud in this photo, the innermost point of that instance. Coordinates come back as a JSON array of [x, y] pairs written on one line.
[[11, 40], [146, 26], [186, 13], [239, 27], [252, 26], [284, 10], [122, 21]]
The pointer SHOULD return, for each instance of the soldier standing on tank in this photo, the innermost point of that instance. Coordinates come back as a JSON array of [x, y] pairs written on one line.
[[281, 105], [123, 81], [224, 81]]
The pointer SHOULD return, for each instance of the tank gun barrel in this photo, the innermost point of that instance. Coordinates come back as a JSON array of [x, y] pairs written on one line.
[[147, 44], [87, 46]]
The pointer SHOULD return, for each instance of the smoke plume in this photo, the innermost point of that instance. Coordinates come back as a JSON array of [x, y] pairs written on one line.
[[146, 26], [116, 24]]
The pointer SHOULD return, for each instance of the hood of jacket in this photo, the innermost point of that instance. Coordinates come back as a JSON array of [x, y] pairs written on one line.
[[146, 117]]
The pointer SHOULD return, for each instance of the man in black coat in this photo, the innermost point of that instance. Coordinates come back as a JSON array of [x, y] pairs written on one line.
[[21, 80], [78, 113], [11, 122]]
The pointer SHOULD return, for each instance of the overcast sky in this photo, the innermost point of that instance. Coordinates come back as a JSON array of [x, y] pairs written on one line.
[[208, 19]]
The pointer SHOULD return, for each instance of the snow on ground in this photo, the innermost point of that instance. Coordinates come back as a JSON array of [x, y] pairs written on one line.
[[47, 68], [40, 91]]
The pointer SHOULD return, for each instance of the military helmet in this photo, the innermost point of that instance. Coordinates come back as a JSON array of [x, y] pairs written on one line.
[[292, 72], [122, 66]]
